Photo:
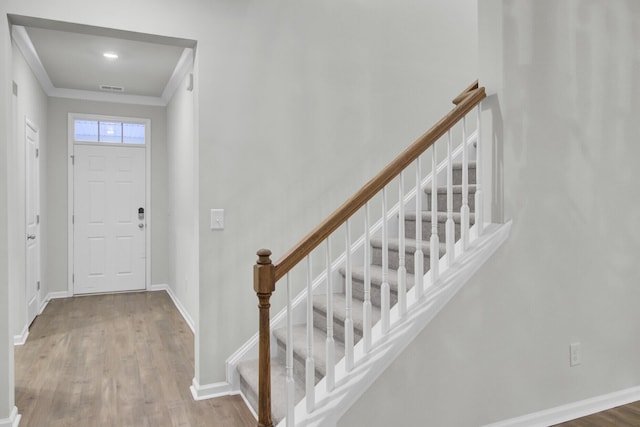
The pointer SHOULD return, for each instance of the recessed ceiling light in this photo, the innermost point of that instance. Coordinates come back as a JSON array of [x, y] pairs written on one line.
[[110, 55]]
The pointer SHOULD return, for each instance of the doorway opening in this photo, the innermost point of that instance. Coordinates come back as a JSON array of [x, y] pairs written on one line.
[[109, 198]]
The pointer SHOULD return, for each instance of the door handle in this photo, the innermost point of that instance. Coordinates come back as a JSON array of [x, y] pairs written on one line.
[[141, 225], [31, 237]]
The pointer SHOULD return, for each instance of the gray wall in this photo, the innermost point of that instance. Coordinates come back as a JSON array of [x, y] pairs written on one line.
[[31, 104], [566, 80], [57, 198], [300, 103], [182, 194], [6, 331]]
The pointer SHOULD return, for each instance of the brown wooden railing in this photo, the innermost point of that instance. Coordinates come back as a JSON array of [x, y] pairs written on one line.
[[266, 274]]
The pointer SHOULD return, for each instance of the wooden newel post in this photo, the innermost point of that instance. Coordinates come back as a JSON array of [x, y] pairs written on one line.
[[264, 284]]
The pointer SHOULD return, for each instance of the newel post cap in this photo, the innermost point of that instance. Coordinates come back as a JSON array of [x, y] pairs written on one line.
[[263, 256]]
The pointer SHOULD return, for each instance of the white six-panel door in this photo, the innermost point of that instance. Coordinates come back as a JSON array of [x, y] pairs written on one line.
[[109, 230], [32, 236]]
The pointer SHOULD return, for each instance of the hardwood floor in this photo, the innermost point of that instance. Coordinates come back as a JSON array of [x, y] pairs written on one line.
[[622, 416], [127, 360], [114, 360]]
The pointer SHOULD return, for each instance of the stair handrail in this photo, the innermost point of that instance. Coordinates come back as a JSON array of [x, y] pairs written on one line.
[[266, 273], [465, 93]]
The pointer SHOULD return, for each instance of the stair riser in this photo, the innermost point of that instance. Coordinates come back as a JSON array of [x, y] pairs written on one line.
[[249, 393], [299, 362], [320, 322], [358, 293], [457, 201], [457, 176], [410, 230], [394, 259]]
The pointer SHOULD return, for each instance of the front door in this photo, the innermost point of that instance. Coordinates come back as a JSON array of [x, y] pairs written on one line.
[[109, 218], [32, 177]]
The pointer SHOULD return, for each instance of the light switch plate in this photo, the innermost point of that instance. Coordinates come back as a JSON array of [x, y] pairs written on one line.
[[217, 219]]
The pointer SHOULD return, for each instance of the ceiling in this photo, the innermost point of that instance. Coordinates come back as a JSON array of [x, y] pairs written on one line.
[[68, 60]]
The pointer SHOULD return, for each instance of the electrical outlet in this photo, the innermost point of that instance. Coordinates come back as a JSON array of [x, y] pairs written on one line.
[[575, 354], [217, 219]]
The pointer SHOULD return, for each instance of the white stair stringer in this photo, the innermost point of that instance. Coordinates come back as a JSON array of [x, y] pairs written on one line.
[[330, 407]]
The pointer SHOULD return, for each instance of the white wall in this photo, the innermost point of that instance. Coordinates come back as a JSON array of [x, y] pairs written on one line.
[[182, 203], [308, 101], [57, 199], [566, 77], [300, 103], [32, 104], [6, 332]]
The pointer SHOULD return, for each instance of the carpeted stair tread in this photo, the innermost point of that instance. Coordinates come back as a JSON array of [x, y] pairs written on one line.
[[410, 245], [248, 371], [441, 216], [340, 311], [357, 273], [458, 165], [300, 346], [455, 189]]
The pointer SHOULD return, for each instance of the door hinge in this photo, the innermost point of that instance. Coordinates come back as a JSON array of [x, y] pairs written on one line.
[[73, 219], [38, 285], [37, 219], [73, 278], [37, 153], [73, 159]]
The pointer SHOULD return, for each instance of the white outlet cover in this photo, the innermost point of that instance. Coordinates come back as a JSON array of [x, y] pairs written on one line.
[[575, 354], [217, 219]]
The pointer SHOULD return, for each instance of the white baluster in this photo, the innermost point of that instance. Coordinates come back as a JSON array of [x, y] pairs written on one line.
[[330, 371], [291, 390], [366, 305], [385, 293], [434, 253], [348, 322], [450, 228], [402, 269], [418, 255], [310, 364], [479, 214], [464, 210]]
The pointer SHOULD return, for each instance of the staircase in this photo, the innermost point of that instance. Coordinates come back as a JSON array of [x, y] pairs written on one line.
[[248, 369], [364, 306]]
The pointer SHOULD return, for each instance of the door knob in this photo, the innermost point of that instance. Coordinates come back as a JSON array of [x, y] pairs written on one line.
[[141, 225], [31, 236]]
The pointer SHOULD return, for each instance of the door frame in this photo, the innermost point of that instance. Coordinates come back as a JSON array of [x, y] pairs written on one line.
[[38, 273], [71, 186]]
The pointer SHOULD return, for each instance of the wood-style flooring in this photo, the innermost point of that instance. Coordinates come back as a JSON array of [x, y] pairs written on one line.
[[114, 360], [622, 416], [127, 360]]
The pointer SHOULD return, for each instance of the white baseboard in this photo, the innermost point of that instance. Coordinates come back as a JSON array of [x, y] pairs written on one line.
[[50, 296], [13, 420], [185, 315], [571, 411], [22, 338], [209, 391]]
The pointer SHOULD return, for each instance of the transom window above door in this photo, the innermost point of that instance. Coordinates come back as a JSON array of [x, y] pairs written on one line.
[[109, 131]]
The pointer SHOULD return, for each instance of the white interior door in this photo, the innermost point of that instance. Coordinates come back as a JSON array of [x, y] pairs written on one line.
[[109, 218], [32, 195]]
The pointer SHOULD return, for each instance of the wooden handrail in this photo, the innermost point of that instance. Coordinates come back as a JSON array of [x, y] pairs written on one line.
[[458, 99], [471, 98], [266, 274]]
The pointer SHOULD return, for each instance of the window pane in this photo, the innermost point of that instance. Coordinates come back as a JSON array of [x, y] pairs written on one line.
[[86, 130], [110, 132], [133, 133]]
